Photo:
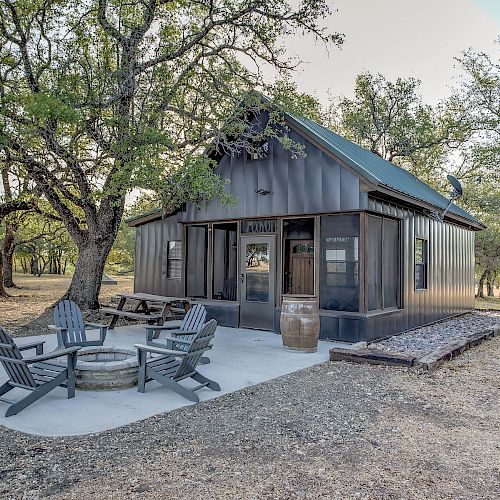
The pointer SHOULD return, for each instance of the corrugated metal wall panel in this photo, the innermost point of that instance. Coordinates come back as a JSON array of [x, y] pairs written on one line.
[[298, 186], [151, 239], [450, 276]]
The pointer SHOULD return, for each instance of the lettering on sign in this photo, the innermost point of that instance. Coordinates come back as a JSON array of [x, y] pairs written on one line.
[[258, 226]]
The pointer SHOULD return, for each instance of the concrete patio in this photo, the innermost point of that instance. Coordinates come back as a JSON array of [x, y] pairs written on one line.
[[239, 358]]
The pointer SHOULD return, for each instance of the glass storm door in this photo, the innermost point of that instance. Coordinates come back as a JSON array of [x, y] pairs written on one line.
[[257, 282]]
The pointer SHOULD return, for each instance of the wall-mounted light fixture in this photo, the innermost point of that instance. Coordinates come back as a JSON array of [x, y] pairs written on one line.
[[263, 192]]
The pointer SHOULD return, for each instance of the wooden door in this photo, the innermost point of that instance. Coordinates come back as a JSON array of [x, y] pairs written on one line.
[[301, 267]]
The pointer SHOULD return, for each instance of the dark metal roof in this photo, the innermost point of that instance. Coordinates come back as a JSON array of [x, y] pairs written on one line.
[[375, 169], [136, 220]]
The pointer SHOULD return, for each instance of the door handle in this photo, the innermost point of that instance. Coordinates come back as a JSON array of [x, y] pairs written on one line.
[[242, 277]]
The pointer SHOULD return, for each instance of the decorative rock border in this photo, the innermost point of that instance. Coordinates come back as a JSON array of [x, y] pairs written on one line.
[[429, 362], [372, 357]]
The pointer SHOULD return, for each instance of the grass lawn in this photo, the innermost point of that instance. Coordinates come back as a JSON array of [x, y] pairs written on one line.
[[488, 303], [34, 295]]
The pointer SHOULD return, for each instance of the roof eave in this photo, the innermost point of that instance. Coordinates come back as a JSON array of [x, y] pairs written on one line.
[[393, 193], [144, 218]]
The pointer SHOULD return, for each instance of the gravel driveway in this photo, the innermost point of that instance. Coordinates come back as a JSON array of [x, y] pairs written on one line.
[[336, 430]]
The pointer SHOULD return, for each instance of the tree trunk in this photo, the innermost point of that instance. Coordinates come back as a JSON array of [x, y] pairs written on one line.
[[9, 245], [480, 286], [3, 292], [86, 283], [490, 283]]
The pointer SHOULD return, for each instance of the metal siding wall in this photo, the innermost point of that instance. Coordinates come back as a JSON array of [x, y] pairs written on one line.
[[299, 186], [150, 240], [451, 271]]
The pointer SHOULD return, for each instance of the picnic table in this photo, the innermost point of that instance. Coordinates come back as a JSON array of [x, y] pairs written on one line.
[[145, 308]]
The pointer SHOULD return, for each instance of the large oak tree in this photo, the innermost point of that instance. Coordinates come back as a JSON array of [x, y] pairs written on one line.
[[98, 97]]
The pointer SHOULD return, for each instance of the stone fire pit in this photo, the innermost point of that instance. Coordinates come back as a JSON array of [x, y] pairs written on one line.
[[106, 369]]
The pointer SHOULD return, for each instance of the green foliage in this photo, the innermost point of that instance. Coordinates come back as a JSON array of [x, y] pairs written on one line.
[[286, 96], [121, 258], [391, 120]]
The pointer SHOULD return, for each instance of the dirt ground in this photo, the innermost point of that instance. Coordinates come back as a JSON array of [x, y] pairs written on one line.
[[333, 431], [29, 310]]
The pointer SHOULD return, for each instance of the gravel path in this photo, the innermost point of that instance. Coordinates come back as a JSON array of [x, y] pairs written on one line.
[[336, 430], [424, 340]]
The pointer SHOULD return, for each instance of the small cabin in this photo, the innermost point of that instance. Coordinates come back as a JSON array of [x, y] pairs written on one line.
[[340, 224]]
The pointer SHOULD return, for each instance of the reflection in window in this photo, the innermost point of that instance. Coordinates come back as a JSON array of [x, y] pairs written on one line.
[[225, 255], [339, 284], [257, 272]]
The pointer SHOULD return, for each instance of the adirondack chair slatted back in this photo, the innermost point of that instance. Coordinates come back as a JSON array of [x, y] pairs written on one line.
[[194, 319], [197, 348], [18, 373], [68, 315]]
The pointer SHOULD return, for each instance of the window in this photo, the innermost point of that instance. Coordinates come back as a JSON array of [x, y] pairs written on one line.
[[421, 259], [257, 149], [339, 281], [382, 263], [196, 261], [225, 256], [174, 255]]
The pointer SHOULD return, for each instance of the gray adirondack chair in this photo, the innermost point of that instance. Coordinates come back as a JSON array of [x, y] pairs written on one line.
[[70, 326], [172, 366], [33, 374], [189, 327]]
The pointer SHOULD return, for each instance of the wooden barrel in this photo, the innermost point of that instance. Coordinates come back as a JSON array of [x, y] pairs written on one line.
[[299, 323]]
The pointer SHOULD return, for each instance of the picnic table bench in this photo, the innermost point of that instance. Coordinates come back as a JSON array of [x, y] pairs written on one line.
[[144, 310]]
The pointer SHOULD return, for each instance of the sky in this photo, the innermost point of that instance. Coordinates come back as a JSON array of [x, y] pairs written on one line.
[[397, 38]]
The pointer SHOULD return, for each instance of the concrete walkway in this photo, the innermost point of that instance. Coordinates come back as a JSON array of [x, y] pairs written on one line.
[[239, 358]]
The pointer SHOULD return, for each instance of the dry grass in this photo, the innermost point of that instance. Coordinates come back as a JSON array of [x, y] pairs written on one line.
[[30, 301], [488, 303]]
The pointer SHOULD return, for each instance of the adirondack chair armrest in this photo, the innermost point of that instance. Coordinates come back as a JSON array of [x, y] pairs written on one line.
[[159, 350], [57, 328], [103, 329], [38, 345], [179, 333], [95, 325], [163, 327], [52, 355], [177, 340]]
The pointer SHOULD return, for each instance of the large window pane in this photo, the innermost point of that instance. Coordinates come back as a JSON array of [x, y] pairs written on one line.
[[196, 261], [374, 262], [391, 263], [339, 282], [257, 272], [225, 254]]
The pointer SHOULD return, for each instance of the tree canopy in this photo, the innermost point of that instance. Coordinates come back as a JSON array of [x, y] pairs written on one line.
[[101, 96]]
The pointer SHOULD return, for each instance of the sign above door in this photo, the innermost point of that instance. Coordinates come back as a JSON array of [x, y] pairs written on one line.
[[258, 226]]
